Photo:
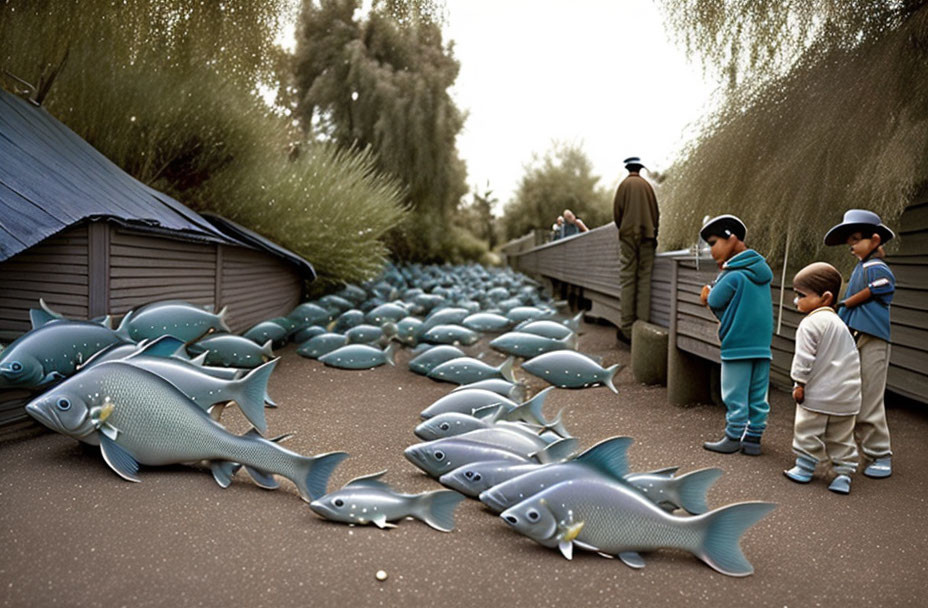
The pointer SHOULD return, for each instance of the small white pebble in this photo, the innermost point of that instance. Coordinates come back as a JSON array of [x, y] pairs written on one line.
[[381, 575]]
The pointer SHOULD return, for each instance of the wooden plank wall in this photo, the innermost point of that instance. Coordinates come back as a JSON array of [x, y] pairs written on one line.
[[256, 287], [590, 261]]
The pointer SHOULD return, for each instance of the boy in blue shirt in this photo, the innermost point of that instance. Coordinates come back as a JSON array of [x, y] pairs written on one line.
[[865, 310], [740, 298]]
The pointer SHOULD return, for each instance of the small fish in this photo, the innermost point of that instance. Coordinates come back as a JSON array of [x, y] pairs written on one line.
[[408, 330], [511, 390], [426, 361], [321, 345], [367, 500], [524, 313], [569, 369], [267, 330], [474, 400], [352, 293], [183, 320], [450, 334], [386, 312], [527, 345], [614, 519], [445, 316], [336, 305], [443, 455], [347, 320], [153, 423], [359, 356], [309, 313], [304, 335], [486, 322], [545, 329], [367, 334], [465, 370], [232, 351]]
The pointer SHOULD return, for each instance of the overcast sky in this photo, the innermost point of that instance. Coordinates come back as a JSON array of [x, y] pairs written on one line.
[[600, 73]]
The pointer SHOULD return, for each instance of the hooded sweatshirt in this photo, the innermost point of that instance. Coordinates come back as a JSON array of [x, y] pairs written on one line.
[[742, 302]]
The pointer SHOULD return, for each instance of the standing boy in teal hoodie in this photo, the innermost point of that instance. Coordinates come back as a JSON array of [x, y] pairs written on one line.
[[740, 298]]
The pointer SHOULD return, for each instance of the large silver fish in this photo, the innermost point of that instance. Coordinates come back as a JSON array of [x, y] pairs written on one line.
[[426, 361], [449, 334], [614, 519], [182, 320], [471, 400], [486, 322], [140, 418], [359, 356], [569, 369], [466, 370], [366, 499], [443, 455], [52, 351], [511, 390], [529, 345], [232, 351]]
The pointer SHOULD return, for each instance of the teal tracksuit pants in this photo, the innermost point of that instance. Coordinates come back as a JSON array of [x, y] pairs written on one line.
[[745, 383]]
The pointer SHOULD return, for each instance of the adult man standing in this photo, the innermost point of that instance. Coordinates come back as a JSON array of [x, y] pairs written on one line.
[[636, 216]]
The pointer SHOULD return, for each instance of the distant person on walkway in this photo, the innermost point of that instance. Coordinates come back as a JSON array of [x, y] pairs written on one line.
[[636, 216], [826, 372], [740, 298], [558, 228], [865, 310], [573, 224]]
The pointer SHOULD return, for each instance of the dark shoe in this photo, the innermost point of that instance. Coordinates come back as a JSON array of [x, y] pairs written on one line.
[[880, 468], [725, 445], [841, 484], [750, 445]]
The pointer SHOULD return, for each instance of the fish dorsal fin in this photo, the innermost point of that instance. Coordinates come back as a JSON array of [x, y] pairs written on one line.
[[162, 347], [119, 459], [123, 329], [40, 318], [371, 481], [200, 360], [267, 349], [668, 472], [490, 413], [608, 456], [557, 451]]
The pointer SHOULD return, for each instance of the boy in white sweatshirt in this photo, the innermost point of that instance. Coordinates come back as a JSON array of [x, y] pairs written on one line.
[[826, 371]]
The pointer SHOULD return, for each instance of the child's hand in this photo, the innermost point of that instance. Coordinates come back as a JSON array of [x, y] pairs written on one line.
[[799, 394], [704, 295]]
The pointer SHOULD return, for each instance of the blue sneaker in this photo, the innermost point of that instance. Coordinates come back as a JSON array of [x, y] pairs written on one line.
[[725, 445], [880, 468], [802, 472], [841, 484], [750, 445]]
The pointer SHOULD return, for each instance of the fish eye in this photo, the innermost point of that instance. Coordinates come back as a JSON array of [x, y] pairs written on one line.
[[63, 404], [533, 515], [477, 477], [439, 455], [444, 426], [338, 502], [469, 474], [16, 366]]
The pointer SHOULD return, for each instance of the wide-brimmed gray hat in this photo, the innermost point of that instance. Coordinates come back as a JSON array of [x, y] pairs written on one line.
[[723, 226], [633, 161], [858, 220]]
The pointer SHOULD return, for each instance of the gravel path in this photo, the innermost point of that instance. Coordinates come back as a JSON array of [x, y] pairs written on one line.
[[73, 534]]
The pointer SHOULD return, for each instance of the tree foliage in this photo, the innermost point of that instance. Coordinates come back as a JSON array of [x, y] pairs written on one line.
[[561, 179], [381, 80], [167, 89], [846, 126]]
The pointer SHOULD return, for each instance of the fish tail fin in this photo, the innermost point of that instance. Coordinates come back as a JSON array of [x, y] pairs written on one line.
[[721, 535], [505, 370], [267, 349], [437, 508], [313, 473], [571, 341], [530, 411], [692, 489], [223, 325], [223, 472], [610, 376], [574, 322], [557, 451], [517, 392], [123, 330], [249, 392], [389, 354], [556, 426]]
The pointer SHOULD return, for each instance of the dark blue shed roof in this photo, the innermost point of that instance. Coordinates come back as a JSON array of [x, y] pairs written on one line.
[[50, 178]]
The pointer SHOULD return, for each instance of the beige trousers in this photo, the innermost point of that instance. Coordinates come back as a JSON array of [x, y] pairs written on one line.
[[636, 260], [824, 437], [871, 430]]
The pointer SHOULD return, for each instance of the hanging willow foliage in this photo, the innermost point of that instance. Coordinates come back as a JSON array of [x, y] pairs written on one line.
[[844, 128]]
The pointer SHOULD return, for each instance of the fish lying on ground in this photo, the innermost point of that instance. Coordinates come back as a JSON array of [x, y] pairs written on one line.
[[524, 313], [267, 330], [304, 335], [569, 369], [366, 500], [443, 455], [408, 330], [614, 519], [347, 320], [386, 312], [449, 334], [321, 345], [183, 320], [529, 345], [432, 357], [232, 351], [545, 328], [310, 314], [510, 390], [473, 399], [52, 352], [138, 417], [359, 356], [466, 370], [486, 322]]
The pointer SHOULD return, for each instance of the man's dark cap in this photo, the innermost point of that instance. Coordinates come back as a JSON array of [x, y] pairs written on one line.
[[858, 220], [633, 161], [723, 226]]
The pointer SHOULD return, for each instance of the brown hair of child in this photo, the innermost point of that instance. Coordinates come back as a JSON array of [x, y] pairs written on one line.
[[818, 278]]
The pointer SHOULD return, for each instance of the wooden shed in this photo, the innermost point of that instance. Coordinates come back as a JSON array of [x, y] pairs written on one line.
[[589, 263], [91, 240]]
